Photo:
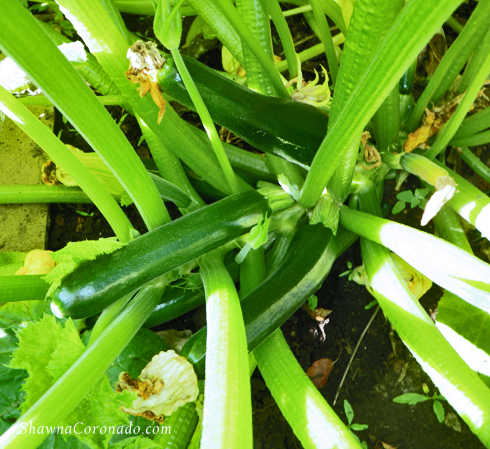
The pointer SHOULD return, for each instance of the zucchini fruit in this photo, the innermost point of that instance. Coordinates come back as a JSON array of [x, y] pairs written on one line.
[[284, 127], [94, 285], [177, 300], [304, 267]]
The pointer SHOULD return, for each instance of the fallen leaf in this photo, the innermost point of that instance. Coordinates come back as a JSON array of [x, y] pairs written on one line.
[[319, 371]]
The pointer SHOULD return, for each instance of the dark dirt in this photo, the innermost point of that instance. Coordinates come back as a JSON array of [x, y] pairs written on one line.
[[377, 374]]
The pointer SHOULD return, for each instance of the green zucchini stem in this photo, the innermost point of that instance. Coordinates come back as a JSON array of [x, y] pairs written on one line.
[[448, 227], [278, 17], [52, 72], [475, 163], [312, 419], [22, 288], [229, 11], [443, 263], [459, 384], [207, 121], [311, 52], [254, 14], [42, 100], [59, 153], [18, 194], [326, 38], [107, 316], [227, 418]]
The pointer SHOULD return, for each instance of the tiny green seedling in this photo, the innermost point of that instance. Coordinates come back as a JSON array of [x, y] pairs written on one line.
[[408, 197], [349, 271], [349, 413], [415, 398]]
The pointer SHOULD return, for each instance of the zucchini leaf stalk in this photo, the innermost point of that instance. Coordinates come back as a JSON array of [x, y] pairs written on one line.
[[227, 418], [168, 29], [445, 264], [103, 37], [412, 28], [64, 157], [24, 40], [312, 419], [462, 387]]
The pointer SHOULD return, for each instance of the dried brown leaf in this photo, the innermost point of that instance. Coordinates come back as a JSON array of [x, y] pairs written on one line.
[[319, 371]]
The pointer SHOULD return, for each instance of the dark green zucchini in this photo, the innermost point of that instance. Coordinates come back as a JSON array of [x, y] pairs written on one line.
[[301, 272], [177, 300], [284, 127], [94, 285]]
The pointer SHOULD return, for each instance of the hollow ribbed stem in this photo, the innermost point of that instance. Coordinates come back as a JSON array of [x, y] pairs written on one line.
[[227, 419]]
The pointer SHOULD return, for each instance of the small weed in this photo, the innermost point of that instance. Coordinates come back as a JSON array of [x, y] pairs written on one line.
[[407, 197], [349, 413], [415, 398]]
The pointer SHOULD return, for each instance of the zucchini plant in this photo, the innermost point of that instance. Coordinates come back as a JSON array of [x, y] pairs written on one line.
[[327, 153]]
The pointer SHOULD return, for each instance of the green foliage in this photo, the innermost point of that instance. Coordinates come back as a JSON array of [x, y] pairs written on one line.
[[349, 413], [416, 398], [407, 197], [46, 350]]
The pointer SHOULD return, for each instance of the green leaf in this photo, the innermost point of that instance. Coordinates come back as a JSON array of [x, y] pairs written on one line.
[[398, 207], [47, 350], [10, 383], [349, 413], [371, 304], [76, 253], [414, 203], [13, 314], [138, 442], [405, 196], [411, 398], [57, 441], [358, 427], [37, 342], [137, 354], [313, 302], [10, 262], [439, 411], [422, 193]]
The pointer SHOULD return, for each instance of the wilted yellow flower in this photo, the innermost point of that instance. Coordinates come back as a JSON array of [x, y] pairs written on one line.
[[37, 261], [165, 384]]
